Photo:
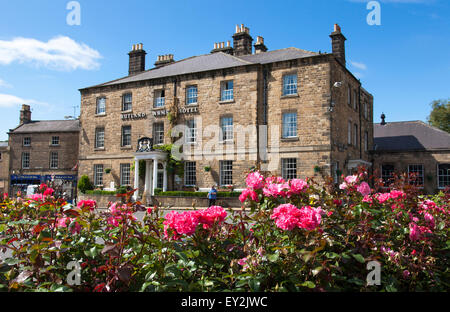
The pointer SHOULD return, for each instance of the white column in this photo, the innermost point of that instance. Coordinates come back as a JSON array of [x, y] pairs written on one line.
[[136, 179], [155, 176], [165, 177], [147, 177]]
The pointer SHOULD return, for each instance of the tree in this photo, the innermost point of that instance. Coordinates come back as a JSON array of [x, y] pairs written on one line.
[[85, 184], [440, 114]]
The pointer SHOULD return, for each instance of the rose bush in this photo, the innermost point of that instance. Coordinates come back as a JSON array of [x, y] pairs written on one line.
[[296, 235]]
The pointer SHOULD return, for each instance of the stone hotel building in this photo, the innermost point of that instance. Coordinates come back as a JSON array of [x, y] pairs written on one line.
[[289, 112]]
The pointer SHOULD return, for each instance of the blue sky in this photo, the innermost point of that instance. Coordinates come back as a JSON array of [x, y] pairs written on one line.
[[404, 62]]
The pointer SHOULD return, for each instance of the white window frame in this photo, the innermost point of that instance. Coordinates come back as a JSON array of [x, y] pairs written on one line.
[[445, 176], [54, 161], [125, 174], [126, 136], [227, 93], [158, 133], [226, 172], [26, 160], [97, 137], [289, 125], [420, 171], [98, 175], [26, 141], [289, 168], [160, 98], [190, 173], [127, 100], [55, 140], [100, 107], [290, 84], [191, 131], [191, 95], [355, 135], [226, 128]]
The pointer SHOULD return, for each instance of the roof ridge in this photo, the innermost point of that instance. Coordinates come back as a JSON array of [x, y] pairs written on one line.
[[433, 127], [237, 58]]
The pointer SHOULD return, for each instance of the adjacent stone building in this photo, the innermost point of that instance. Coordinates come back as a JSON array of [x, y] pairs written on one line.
[[413, 147], [4, 167], [44, 151], [288, 112]]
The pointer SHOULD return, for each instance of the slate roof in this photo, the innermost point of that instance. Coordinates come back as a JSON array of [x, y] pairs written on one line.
[[48, 126], [408, 136], [213, 61]]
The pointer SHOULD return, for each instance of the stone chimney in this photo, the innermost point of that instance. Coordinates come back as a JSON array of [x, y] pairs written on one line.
[[259, 45], [25, 114], [164, 60], [222, 47], [242, 41], [338, 44], [137, 59]]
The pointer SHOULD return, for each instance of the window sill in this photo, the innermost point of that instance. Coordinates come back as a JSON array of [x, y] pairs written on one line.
[[99, 149], [128, 147], [100, 115], [226, 142], [126, 112], [191, 104], [55, 145], [226, 102], [288, 96], [291, 139]]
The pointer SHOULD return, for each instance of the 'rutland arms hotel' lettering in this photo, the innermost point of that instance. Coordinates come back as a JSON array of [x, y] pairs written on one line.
[[134, 116]]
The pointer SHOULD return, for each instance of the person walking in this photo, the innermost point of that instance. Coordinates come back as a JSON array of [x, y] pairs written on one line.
[[212, 196]]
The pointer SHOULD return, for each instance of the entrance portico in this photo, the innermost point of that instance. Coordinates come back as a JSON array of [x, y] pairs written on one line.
[[152, 159]]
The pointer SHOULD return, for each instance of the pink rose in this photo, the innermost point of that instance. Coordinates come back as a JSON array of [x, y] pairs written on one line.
[[364, 189], [297, 186], [351, 179], [255, 180], [248, 193]]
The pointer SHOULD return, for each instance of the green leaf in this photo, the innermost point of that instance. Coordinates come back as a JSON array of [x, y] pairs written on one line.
[[358, 258], [273, 257], [316, 270], [308, 284]]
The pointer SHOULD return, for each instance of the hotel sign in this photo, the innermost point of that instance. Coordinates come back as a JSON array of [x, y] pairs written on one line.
[[188, 110], [134, 116]]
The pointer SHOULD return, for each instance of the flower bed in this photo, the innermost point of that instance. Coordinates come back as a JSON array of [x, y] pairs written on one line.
[[297, 236]]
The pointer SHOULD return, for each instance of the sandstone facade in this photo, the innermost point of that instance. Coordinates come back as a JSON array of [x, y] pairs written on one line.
[[257, 108]]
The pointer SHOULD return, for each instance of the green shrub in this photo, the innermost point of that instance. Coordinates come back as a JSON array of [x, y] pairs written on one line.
[[196, 194], [85, 184], [121, 190], [101, 192]]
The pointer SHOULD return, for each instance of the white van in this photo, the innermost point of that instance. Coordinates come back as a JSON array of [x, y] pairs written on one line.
[[32, 189]]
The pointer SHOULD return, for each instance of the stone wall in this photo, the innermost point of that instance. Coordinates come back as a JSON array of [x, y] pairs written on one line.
[[401, 160], [4, 169], [40, 150]]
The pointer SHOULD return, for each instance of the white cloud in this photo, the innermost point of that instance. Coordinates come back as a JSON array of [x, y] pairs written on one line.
[[7, 100], [59, 53], [4, 84], [358, 65]]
